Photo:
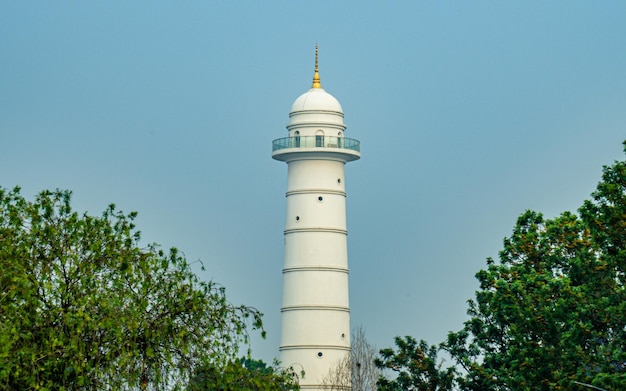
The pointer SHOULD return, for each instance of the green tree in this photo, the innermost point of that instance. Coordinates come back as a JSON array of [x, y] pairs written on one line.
[[552, 312], [84, 307], [244, 374], [415, 366]]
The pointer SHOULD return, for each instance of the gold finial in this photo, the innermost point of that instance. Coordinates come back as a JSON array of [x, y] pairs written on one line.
[[316, 75]]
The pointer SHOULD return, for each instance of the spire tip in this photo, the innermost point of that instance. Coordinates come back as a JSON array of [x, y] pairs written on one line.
[[316, 75]]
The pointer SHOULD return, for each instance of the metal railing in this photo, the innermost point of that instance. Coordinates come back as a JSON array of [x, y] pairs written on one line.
[[316, 142]]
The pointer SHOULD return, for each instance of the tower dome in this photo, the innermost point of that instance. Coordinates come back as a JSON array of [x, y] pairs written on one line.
[[316, 99]]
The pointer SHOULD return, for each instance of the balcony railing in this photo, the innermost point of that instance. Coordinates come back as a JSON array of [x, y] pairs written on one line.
[[316, 142]]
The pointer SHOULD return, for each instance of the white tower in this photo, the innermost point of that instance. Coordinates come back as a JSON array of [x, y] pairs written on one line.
[[315, 310]]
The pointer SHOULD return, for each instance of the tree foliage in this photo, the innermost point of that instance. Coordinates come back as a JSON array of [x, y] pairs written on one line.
[[415, 366], [84, 307], [244, 374], [552, 312]]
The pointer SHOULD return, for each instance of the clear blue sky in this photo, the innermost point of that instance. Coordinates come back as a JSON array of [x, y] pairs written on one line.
[[468, 114]]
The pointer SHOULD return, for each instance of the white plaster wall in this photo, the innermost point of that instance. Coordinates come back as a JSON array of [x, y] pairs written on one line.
[[304, 249], [305, 120], [326, 328], [315, 288], [315, 174], [305, 211]]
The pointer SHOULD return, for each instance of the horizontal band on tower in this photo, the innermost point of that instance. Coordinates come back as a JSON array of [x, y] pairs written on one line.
[[314, 347], [315, 269], [315, 191], [317, 229], [317, 124], [337, 308]]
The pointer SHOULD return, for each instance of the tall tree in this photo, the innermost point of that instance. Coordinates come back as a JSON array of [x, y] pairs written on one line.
[[365, 373], [356, 372], [84, 307], [552, 313]]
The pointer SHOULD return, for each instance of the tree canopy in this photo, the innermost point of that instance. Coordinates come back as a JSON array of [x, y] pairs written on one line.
[[415, 366], [551, 314], [244, 374], [83, 306]]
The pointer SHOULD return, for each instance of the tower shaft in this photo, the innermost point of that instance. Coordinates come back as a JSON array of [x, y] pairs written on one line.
[[315, 308]]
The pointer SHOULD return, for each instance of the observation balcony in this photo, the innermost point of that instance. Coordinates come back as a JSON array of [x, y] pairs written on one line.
[[341, 148]]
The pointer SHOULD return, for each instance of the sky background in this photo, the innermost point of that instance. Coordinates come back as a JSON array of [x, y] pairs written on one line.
[[468, 114]]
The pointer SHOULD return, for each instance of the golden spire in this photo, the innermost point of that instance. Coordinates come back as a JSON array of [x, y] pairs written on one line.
[[316, 76]]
